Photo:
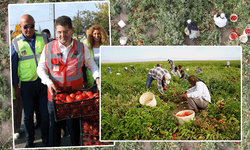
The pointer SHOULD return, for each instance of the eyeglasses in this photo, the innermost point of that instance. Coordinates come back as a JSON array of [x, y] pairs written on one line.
[[64, 32], [27, 26]]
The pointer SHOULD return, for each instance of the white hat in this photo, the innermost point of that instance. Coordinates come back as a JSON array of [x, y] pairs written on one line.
[[167, 78], [108, 67], [222, 15], [126, 68], [189, 21]]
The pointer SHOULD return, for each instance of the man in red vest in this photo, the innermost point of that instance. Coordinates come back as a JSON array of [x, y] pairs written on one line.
[[64, 59]]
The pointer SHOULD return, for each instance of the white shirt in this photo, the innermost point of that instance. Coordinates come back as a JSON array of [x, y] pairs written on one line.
[[200, 90], [176, 73], [89, 63], [228, 63], [219, 21], [96, 54]]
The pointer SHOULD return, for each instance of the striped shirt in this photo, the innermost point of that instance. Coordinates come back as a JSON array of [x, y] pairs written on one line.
[[157, 73]]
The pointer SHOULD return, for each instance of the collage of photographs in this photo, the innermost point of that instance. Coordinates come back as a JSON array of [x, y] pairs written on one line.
[[125, 74]]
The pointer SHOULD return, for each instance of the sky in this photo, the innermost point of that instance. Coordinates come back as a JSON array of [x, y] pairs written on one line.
[[163, 53], [43, 14]]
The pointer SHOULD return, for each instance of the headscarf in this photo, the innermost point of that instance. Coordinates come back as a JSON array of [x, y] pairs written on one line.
[[200, 68], [159, 65], [193, 78]]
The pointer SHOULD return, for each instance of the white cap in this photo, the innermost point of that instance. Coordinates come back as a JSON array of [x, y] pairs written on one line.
[[167, 78], [189, 21], [126, 68], [109, 67], [222, 15]]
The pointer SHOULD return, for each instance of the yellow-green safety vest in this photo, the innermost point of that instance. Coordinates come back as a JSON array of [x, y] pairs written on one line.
[[28, 61], [88, 73]]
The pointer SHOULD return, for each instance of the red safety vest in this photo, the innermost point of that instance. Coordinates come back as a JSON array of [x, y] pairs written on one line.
[[66, 77]]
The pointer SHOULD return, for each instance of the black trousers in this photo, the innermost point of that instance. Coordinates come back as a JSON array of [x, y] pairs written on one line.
[[73, 126], [35, 93]]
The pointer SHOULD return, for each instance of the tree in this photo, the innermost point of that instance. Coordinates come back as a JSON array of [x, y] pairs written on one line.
[[77, 23], [102, 17], [86, 18]]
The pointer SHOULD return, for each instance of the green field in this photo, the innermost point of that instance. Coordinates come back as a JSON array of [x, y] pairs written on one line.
[[123, 118]]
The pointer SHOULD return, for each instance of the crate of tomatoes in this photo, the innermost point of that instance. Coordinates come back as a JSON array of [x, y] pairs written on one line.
[[90, 133], [74, 104]]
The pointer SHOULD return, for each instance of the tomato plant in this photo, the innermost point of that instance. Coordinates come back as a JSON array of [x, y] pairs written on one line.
[[159, 123]]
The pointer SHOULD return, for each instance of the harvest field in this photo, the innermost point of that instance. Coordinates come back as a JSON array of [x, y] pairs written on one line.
[[123, 118]]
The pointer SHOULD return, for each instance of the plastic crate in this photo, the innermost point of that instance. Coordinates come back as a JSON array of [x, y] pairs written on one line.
[[76, 109], [90, 133]]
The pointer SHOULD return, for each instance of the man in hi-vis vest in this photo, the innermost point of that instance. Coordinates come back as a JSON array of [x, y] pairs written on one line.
[[26, 49], [64, 58]]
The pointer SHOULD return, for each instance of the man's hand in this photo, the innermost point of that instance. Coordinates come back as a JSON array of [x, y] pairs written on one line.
[[17, 92], [52, 89], [182, 96], [98, 83]]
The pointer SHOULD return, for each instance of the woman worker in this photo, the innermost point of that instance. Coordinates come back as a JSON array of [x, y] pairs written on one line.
[[197, 96], [96, 37]]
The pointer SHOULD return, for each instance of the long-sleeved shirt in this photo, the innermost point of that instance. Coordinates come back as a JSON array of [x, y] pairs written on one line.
[[15, 59], [171, 63], [184, 76], [200, 90], [198, 71], [157, 73], [220, 22], [176, 73], [89, 63]]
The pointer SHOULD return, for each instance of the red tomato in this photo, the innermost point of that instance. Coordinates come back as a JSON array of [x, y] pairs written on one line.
[[175, 95], [57, 97], [69, 99], [58, 102], [90, 131], [62, 95], [97, 100], [89, 94], [95, 131], [233, 36], [72, 95], [86, 127], [96, 95], [187, 113], [79, 97], [233, 18], [84, 96], [247, 31], [78, 92]]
